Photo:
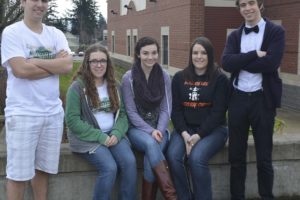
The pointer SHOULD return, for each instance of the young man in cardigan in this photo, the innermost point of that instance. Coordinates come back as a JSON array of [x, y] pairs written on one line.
[[252, 55]]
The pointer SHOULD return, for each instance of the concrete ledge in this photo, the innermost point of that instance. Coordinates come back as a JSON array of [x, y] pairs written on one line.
[[76, 177]]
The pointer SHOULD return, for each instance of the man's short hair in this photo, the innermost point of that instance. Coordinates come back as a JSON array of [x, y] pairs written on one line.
[[259, 2]]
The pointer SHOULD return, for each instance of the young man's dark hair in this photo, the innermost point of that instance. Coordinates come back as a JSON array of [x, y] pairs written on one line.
[[259, 2]]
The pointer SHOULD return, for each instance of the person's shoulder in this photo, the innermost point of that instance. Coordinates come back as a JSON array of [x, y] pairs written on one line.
[[77, 84], [53, 30], [179, 74], [273, 26], [13, 28], [237, 30], [166, 73], [127, 76], [221, 76]]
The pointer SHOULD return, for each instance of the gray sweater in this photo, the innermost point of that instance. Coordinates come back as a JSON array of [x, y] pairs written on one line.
[[136, 120]]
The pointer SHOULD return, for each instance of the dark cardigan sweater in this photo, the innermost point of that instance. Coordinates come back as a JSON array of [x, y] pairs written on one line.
[[273, 43]]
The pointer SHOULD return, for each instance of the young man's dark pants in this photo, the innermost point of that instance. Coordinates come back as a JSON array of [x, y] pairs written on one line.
[[245, 110]]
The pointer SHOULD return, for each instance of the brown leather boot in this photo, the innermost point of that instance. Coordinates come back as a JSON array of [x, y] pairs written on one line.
[[149, 190], [164, 181]]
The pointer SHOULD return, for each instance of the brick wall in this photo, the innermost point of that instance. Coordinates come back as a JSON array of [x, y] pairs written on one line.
[[178, 15], [289, 12], [217, 21], [189, 19]]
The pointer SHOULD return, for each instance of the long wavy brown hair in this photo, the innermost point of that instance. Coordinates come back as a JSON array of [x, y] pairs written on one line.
[[84, 72]]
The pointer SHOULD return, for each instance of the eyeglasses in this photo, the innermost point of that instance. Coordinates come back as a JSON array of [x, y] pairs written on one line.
[[97, 62]]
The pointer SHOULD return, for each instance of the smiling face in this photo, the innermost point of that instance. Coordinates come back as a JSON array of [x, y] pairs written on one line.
[[199, 59], [98, 65], [34, 10], [148, 56], [250, 10]]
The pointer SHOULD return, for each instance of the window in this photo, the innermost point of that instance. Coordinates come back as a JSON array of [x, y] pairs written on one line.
[[165, 46], [134, 40], [165, 50], [128, 46], [113, 43], [128, 41]]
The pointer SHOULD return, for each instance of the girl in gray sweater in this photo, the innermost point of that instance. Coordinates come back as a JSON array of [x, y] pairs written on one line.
[[146, 90]]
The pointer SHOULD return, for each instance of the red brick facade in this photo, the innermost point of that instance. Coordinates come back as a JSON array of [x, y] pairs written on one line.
[[188, 19], [175, 14], [217, 21], [289, 12]]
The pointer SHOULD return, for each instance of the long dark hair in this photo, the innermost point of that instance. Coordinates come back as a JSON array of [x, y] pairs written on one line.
[[84, 72], [144, 41], [212, 69]]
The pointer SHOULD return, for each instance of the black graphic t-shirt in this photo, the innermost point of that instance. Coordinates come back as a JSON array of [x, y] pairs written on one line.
[[199, 106]]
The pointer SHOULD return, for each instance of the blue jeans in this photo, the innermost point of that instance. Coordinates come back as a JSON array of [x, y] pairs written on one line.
[[108, 161], [145, 143], [197, 163]]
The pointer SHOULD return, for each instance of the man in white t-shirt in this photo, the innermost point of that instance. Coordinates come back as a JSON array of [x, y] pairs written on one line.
[[34, 55]]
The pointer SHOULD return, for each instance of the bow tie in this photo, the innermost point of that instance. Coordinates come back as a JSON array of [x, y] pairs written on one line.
[[249, 30]]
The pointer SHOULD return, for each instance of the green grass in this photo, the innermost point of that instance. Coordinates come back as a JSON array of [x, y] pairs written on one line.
[[119, 71], [66, 80]]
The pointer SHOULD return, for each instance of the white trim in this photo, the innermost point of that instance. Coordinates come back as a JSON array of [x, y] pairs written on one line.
[[172, 70], [229, 30], [134, 32], [278, 22], [290, 79], [165, 30], [138, 4], [113, 41], [220, 3], [125, 58]]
